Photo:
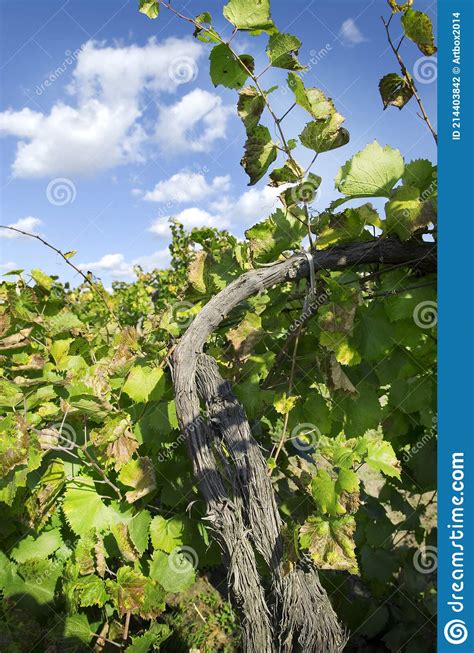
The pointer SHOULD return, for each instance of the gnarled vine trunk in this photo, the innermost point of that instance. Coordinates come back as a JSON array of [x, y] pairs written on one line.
[[290, 612]]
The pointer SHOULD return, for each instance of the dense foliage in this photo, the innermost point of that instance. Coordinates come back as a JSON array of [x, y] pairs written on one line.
[[102, 530]]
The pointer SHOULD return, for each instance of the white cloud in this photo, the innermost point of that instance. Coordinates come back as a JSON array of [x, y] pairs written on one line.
[[28, 224], [189, 218], [117, 266], [187, 187], [351, 34], [9, 265], [237, 214], [103, 124], [193, 123]]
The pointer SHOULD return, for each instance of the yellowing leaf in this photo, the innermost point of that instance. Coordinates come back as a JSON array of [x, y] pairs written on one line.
[[330, 542], [140, 474], [142, 381], [285, 404]]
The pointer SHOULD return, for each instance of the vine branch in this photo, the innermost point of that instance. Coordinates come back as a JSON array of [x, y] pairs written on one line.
[[408, 77]]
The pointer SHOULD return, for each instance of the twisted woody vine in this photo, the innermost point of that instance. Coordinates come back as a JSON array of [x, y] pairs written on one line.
[[258, 418]]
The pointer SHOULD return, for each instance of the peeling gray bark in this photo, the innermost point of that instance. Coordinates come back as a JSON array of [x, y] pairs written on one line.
[[290, 612]]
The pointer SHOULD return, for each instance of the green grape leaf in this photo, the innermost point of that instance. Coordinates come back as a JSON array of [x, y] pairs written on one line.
[[151, 639], [381, 457], [249, 15], [167, 534], [196, 271], [63, 322], [35, 578], [91, 591], [260, 153], [282, 51], [302, 192], [311, 99], [330, 542], [128, 590], [143, 381], [77, 626], [246, 335], [124, 543], [421, 174], [250, 107], [226, 69], [395, 91], [174, 572], [138, 473], [348, 226], [41, 547], [10, 394], [289, 173], [279, 232], [419, 29], [138, 530], [325, 134], [42, 279], [83, 508], [372, 172], [150, 8], [405, 213], [347, 481], [325, 495], [205, 33]]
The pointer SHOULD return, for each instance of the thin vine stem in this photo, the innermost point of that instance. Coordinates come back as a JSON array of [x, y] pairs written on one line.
[[65, 258], [408, 77]]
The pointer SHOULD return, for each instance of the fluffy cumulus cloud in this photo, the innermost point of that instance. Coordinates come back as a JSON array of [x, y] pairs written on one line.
[[105, 121], [193, 123], [29, 225], [187, 187], [350, 33], [117, 266], [225, 213], [189, 218]]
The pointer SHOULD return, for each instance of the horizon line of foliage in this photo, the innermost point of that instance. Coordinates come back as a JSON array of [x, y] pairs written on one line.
[[100, 509]]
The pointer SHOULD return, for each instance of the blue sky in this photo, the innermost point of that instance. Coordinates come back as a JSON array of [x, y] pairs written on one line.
[[110, 124]]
